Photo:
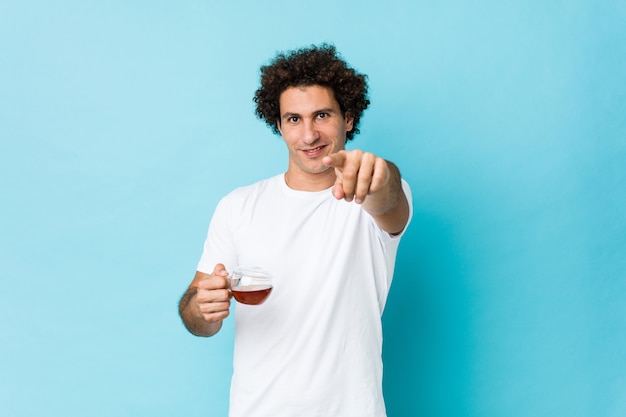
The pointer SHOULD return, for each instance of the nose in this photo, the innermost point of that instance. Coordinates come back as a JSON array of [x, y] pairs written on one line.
[[310, 134]]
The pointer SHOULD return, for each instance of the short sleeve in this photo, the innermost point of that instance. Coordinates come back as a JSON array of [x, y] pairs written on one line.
[[219, 245]]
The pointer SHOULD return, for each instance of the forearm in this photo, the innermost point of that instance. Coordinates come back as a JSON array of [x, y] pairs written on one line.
[[192, 317]]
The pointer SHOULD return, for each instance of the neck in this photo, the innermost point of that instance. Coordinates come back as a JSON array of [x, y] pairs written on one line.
[[310, 182]]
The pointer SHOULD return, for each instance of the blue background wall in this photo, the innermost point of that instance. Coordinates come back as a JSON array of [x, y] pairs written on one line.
[[122, 123]]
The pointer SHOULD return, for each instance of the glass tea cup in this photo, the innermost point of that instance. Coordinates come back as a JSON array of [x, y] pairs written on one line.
[[250, 285]]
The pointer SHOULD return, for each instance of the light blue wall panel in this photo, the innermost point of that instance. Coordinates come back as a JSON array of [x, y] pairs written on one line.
[[122, 123]]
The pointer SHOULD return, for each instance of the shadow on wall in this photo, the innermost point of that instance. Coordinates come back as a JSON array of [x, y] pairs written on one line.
[[426, 320]]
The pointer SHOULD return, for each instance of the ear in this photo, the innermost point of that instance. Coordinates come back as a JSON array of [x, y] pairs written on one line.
[[349, 122], [278, 127]]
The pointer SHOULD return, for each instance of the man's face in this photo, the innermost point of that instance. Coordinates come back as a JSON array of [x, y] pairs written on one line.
[[312, 126]]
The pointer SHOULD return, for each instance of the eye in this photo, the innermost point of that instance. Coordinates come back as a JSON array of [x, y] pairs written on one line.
[[322, 115], [293, 119]]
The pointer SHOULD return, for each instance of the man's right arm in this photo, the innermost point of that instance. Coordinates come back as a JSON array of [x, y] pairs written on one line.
[[206, 303]]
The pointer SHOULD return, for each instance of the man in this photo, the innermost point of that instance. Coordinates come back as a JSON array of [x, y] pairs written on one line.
[[328, 230]]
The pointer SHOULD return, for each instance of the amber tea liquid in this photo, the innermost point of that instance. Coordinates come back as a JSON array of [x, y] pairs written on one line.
[[252, 294]]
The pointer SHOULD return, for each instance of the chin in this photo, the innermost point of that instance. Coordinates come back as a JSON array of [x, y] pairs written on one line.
[[314, 169], [323, 170]]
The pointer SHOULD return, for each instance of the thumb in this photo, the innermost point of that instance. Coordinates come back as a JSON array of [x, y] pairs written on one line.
[[219, 270], [338, 192]]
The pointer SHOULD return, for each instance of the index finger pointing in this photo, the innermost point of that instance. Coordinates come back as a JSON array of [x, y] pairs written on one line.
[[336, 159]]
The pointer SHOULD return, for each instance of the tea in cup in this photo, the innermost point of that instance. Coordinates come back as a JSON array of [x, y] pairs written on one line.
[[250, 285]]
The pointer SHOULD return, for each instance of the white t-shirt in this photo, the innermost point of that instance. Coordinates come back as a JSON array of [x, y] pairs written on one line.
[[313, 349]]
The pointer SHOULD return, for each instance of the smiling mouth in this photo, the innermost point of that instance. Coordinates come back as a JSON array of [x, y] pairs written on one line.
[[314, 151]]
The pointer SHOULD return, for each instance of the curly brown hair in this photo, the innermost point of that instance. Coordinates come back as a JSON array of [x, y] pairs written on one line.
[[316, 65]]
